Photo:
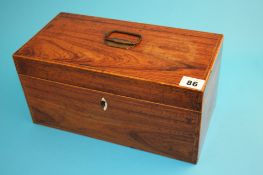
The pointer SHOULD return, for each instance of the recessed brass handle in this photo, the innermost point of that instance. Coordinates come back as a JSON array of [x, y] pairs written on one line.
[[122, 43]]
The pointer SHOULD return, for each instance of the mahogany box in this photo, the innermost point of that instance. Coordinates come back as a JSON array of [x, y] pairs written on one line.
[[144, 86]]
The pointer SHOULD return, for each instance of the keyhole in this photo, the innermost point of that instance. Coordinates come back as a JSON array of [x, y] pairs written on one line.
[[103, 104]]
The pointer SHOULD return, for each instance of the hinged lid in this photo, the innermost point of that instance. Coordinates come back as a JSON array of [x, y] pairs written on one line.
[[136, 60]]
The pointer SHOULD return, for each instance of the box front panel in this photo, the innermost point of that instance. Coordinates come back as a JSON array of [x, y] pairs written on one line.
[[140, 124], [124, 86]]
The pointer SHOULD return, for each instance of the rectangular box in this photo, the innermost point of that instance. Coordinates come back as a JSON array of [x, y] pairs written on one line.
[[144, 86]]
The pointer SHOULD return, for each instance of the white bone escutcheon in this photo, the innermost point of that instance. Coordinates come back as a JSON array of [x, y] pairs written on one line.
[[104, 104]]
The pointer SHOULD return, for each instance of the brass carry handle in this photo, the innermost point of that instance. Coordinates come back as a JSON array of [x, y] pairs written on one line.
[[119, 42]]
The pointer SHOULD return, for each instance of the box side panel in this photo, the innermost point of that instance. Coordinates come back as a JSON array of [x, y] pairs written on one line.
[[135, 123], [209, 99], [135, 88]]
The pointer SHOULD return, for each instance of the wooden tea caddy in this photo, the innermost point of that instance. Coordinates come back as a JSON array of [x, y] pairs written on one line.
[[144, 86]]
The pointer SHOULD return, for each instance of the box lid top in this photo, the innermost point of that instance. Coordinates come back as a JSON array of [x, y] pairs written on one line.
[[163, 55]]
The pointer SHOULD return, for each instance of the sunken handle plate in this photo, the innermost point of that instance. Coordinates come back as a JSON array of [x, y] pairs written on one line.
[[110, 40]]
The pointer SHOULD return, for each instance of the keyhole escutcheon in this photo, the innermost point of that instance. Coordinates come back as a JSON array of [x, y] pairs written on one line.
[[103, 104]]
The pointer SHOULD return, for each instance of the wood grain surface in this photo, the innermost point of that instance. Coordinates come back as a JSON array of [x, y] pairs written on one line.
[[135, 123], [136, 88], [164, 55], [209, 99], [66, 69]]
